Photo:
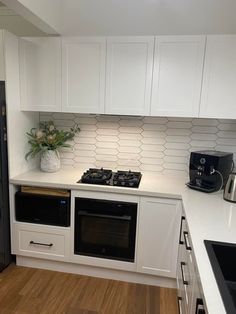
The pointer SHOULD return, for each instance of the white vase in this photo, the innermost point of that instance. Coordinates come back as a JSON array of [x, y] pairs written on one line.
[[50, 161]]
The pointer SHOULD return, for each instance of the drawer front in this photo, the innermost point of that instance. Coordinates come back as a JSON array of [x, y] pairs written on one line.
[[185, 266], [41, 244]]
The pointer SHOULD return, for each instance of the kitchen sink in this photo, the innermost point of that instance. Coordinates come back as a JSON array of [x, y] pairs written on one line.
[[223, 261]]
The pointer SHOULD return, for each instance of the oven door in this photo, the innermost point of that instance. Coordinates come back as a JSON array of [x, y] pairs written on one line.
[[105, 229]]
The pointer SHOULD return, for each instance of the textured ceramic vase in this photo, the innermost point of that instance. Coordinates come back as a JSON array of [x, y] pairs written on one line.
[[50, 161]]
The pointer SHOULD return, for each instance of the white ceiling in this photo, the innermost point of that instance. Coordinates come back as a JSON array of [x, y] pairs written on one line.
[[129, 17], [141, 17], [16, 24]]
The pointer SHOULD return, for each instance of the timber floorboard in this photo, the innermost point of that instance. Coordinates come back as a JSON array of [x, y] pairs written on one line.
[[35, 291]]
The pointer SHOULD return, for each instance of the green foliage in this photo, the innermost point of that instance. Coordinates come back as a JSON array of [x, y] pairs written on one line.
[[48, 137]]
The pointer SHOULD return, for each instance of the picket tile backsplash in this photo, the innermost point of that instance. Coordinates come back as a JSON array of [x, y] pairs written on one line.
[[141, 143]]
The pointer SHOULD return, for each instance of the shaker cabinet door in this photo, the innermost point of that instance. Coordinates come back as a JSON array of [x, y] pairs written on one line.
[[83, 74], [158, 235], [40, 74], [177, 76], [129, 75], [219, 80]]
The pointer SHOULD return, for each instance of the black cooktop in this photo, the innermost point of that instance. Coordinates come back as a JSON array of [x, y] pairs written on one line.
[[107, 177]]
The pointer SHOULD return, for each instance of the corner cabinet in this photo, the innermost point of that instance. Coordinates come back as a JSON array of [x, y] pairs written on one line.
[[40, 74], [159, 221], [83, 74], [177, 76], [129, 75], [219, 79]]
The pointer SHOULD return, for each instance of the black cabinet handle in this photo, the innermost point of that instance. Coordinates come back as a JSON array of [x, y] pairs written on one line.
[[199, 307], [179, 304], [181, 227], [186, 241], [182, 264], [43, 244], [87, 214]]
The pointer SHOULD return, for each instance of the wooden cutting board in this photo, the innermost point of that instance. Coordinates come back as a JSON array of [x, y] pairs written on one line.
[[45, 191]]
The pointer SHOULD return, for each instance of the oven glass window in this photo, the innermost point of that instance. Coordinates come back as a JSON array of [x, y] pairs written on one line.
[[102, 231], [105, 229]]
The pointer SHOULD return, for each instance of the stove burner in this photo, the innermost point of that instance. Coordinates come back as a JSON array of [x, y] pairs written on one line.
[[97, 176], [127, 178], [107, 177]]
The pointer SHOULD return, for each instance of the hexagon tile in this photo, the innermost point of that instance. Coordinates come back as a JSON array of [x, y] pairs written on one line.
[[141, 143]]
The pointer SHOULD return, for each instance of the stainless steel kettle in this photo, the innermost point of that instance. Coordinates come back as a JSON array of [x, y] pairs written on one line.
[[230, 188]]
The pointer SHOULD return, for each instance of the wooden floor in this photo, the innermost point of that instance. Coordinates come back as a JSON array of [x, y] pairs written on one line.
[[28, 291]]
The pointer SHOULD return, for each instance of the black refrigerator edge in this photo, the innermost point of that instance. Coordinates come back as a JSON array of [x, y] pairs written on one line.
[[5, 254]]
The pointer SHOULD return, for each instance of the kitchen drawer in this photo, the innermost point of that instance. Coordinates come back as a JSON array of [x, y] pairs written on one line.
[[186, 268], [47, 243]]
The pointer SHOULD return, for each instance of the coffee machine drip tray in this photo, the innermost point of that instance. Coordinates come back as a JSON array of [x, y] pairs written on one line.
[[202, 188]]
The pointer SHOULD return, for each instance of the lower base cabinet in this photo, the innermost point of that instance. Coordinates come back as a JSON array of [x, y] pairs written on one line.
[[159, 221], [157, 236], [41, 241], [190, 296]]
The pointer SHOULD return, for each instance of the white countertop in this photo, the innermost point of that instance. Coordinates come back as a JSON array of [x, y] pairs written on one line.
[[208, 215]]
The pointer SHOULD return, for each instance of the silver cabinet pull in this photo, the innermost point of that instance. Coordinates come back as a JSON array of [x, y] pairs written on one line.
[[182, 264], [180, 305], [186, 241]]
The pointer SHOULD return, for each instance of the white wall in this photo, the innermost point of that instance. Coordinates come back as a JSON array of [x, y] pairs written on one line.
[[18, 123], [2, 65]]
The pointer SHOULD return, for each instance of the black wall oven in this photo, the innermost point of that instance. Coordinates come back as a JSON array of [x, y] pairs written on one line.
[[105, 228]]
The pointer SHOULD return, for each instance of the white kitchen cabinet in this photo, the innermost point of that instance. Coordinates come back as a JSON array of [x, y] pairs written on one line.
[[129, 75], [41, 241], [2, 60], [158, 233], [190, 296], [177, 76], [40, 74], [219, 79], [83, 74]]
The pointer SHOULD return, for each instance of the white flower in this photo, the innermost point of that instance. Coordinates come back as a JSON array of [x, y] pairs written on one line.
[[51, 127], [39, 134]]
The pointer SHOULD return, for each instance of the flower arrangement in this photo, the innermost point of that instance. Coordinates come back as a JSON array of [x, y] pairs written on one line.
[[48, 137]]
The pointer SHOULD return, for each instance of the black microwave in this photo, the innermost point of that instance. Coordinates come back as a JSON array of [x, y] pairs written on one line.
[[42, 209]]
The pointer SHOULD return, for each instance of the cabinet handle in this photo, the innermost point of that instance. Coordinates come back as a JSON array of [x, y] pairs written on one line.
[[43, 244], [179, 305], [186, 241], [181, 227], [182, 264], [199, 307]]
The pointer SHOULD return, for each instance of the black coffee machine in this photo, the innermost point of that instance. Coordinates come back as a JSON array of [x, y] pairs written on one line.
[[209, 170]]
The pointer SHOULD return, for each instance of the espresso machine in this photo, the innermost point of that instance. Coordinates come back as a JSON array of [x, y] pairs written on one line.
[[209, 170]]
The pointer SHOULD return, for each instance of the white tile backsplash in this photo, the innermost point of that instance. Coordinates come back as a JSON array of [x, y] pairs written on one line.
[[141, 143]]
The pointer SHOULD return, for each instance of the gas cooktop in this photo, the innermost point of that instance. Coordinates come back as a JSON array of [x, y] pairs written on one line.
[[107, 177]]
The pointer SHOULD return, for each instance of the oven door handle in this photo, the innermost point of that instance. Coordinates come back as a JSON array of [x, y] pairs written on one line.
[[85, 213]]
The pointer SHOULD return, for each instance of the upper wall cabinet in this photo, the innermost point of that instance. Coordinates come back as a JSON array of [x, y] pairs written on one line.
[[219, 80], [129, 75], [2, 60], [83, 74], [40, 74], [178, 66]]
